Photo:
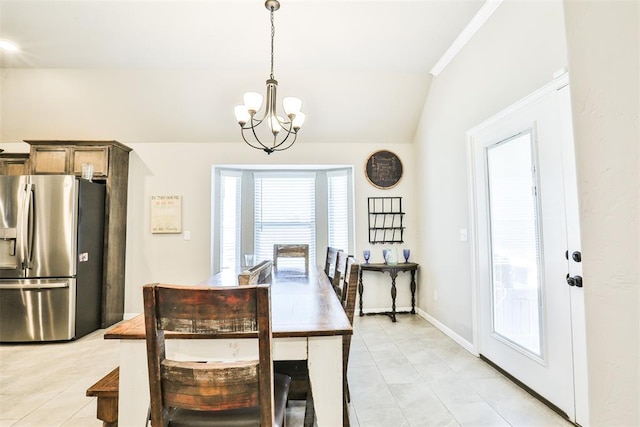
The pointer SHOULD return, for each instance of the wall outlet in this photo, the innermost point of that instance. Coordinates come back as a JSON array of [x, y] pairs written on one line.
[[463, 235], [187, 235]]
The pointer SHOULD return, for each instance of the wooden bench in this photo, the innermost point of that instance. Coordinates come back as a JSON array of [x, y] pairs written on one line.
[[106, 390]]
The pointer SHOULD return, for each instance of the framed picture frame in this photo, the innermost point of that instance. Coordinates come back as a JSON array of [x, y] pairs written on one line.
[[166, 214], [383, 169]]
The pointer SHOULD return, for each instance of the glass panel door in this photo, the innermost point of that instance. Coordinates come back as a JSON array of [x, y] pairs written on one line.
[[515, 243]]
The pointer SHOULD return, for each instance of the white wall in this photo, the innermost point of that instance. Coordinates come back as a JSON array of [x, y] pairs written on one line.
[[185, 169], [603, 44], [515, 53]]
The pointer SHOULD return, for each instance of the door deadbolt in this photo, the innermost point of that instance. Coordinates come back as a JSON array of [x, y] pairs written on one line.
[[576, 256], [574, 281]]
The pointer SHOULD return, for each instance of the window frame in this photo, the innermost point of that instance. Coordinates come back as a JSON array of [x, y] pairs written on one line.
[[247, 206]]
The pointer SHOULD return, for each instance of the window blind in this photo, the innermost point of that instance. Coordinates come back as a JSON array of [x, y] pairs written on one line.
[[284, 213], [229, 219], [338, 219]]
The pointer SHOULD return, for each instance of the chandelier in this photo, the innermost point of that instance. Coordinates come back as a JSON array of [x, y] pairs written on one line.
[[281, 131]]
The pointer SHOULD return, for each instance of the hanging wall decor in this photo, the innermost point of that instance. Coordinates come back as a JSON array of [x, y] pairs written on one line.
[[383, 169]]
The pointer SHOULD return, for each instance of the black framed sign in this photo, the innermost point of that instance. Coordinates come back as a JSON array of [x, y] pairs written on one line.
[[383, 169]]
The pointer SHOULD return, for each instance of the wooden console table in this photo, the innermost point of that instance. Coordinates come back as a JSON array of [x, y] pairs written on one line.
[[393, 271]]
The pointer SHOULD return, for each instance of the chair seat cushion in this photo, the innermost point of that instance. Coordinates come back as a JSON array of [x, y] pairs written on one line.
[[249, 417]]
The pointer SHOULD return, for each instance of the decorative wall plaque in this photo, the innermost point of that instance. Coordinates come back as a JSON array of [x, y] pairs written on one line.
[[166, 214], [383, 169]]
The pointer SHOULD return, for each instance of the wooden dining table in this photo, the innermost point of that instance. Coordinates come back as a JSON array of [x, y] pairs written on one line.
[[308, 323]]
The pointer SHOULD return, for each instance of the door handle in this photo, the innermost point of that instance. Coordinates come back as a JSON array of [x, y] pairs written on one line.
[[574, 281], [576, 256]]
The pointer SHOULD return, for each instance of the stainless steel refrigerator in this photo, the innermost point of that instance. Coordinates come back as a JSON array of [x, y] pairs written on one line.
[[51, 244]]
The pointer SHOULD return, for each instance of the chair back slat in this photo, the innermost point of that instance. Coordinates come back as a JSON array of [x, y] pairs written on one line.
[[197, 310], [210, 386]]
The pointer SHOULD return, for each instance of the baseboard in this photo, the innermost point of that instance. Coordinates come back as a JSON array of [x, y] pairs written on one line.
[[449, 332], [382, 310]]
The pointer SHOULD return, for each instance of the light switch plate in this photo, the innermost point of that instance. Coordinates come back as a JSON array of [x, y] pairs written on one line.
[[463, 235]]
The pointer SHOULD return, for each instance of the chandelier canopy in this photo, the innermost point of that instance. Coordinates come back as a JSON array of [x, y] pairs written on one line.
[[281, 132]]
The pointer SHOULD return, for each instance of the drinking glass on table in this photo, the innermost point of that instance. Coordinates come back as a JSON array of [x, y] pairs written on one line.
[[367, 254], [406, 253], [248, 260]]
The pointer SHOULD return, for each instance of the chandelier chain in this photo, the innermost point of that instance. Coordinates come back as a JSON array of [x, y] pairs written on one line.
[[273, 33]]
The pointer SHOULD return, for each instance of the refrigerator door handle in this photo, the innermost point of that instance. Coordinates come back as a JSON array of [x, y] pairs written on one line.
[[22, 234], [24, 286], [29, 214]]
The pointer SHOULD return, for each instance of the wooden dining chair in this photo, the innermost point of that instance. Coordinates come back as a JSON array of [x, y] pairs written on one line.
[[330, 261], [338, 278], [350, 288], [214, 393], [291, 251]]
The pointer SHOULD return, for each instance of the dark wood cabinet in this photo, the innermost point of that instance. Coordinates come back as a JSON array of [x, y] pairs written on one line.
[[14, 163], [110, 161]]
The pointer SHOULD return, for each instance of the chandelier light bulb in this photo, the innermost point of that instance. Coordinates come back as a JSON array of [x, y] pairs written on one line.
[[298, 121], [252, 100], [274, 125], [292, 105], [242, 114]]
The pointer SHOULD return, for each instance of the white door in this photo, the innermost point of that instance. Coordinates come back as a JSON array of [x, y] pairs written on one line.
[[525, 212]]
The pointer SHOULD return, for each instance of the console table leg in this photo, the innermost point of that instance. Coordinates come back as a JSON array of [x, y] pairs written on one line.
[[393, 296], [413, 292], [360, 290]]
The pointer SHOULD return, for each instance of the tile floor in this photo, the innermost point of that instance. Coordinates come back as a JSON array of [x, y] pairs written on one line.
[[400, 374]]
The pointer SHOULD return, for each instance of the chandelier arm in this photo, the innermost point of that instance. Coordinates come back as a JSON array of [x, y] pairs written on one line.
[[254, 124], [253, 130], [289, 132], [279, 148], [258, 147]]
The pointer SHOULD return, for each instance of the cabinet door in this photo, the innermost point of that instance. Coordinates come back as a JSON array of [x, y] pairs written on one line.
[[49, 160], [98, 156], [14, 166]]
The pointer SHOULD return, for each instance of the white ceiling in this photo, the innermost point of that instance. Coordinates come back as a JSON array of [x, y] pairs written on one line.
[[361, 67]]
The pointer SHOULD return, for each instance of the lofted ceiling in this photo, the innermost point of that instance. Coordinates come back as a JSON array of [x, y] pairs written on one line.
[[178, 67]]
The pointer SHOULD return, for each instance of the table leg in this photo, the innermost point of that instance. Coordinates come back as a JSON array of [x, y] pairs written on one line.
[[360, 290], [325, 376], [413, 292], [394, 274], [133, 393]]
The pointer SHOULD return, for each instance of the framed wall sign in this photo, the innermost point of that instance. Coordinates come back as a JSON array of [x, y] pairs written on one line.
[[383, 169], [166, 214]]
